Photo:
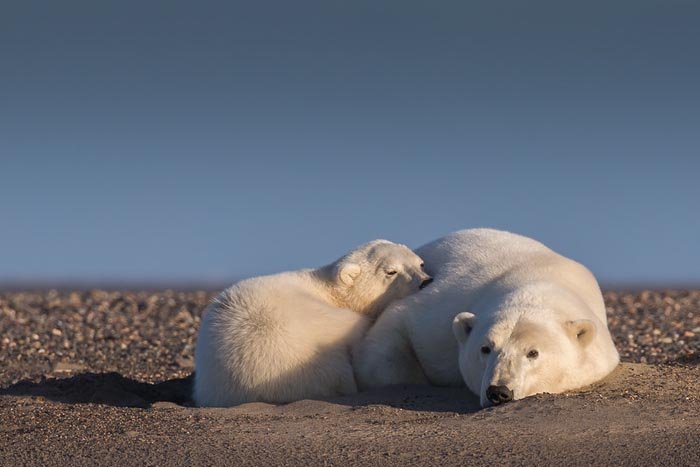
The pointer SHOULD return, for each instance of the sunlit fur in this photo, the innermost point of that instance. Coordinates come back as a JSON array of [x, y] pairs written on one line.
[[508, 292], [287, 336]]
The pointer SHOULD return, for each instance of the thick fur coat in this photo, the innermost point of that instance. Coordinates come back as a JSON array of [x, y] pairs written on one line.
[[505, 315], [287, 336]]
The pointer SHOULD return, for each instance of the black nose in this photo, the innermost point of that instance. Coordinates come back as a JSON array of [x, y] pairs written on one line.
[[499, 394], [426, 282]]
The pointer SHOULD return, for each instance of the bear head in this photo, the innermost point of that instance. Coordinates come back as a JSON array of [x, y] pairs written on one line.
[[513, 359], [377, 273]]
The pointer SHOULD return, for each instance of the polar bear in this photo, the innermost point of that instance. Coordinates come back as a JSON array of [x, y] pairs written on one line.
[[287, 336], [525, 320]]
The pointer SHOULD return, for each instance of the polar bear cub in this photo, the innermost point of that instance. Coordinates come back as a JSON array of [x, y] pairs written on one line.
[[287, 336], [526, 320]]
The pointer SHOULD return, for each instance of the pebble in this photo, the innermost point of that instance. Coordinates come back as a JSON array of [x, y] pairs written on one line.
[[65, 367], [166, 405]]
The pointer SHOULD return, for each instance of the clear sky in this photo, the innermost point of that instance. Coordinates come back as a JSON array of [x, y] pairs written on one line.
[[205, 141]]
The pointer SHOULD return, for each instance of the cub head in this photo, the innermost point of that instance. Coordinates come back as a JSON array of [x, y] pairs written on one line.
[[377, 273], [502, 362]]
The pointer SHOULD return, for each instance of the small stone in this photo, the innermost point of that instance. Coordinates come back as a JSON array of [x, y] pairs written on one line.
[[688, 334], [166, 405], [74, 299], [66, 367], [185, 362], [56, 332], [666, 340]]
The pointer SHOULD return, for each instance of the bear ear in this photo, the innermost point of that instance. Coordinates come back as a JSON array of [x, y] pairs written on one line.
[[581, 330], [462, 325], [348, 272]]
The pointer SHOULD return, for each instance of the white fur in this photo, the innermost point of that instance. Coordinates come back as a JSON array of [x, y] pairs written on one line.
[[515, 295], [287, 336]]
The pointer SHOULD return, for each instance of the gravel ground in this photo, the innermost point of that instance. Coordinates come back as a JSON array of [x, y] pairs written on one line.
[[151, 336], [103, 378]]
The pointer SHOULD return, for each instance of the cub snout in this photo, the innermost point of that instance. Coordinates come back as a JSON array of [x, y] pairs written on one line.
[[499, 394], [425, 282]]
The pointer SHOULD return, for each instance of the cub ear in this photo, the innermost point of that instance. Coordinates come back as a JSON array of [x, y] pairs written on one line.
[[581, 330], [462, 325], [348, 272]]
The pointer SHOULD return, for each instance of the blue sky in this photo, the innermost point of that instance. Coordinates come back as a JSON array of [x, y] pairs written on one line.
[[204, 142]]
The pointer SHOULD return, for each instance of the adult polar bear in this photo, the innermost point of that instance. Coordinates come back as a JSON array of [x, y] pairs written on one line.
[[527, 320], [288, 336]]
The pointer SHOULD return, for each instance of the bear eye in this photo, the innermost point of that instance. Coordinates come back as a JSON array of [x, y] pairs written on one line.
[[533, 354], [486, 350], [391, 272], [422, 265]]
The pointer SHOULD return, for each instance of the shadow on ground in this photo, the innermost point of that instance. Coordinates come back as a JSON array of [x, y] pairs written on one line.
[[689, 359], [119, 391], [105, 388]]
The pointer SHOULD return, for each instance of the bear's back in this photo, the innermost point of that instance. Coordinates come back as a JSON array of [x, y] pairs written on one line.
[[480, 255], [473, 259]]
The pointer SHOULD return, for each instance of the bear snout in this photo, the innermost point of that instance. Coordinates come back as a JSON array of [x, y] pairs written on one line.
[[499, 394], [425, 283]]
